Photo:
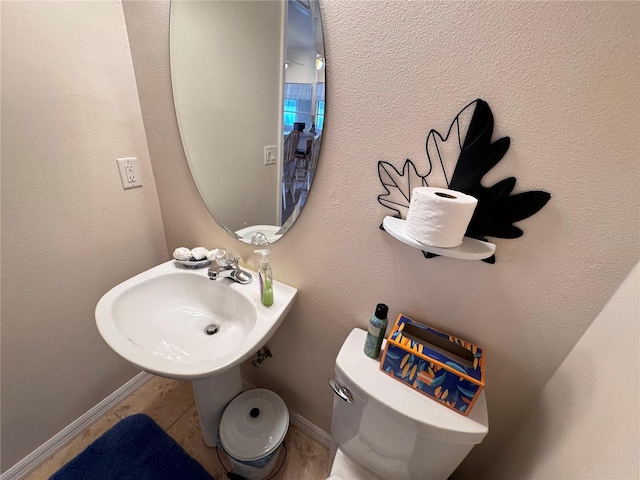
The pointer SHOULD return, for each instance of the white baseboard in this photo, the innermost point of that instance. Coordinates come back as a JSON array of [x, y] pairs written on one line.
[[310, 429], [36, 458]]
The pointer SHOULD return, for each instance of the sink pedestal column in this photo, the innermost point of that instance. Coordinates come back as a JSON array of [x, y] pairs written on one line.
[[212, 396]]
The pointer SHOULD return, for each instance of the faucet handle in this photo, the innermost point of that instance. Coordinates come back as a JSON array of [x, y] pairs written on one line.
[[225, 258]]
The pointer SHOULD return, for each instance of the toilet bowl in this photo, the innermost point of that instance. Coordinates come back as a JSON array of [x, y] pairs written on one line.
[[383, 430], [342, 468]]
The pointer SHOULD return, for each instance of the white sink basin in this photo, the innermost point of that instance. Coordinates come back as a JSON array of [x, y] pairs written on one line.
[[157, 320], [269, 231]]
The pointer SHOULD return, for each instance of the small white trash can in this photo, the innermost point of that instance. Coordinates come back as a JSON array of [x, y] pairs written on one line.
[[252, 429]]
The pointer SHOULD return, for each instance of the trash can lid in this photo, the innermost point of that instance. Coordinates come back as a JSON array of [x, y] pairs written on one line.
[[254, 424]]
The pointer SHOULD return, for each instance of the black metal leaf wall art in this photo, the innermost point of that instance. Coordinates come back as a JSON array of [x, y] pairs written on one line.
[[398, 186], [459, 161]]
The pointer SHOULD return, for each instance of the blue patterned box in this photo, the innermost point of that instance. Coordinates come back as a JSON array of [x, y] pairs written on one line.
[[445, 368]]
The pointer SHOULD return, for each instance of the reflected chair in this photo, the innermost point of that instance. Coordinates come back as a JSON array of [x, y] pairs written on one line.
[[301, 165], [307, 168], [313, 161], [288, 163]]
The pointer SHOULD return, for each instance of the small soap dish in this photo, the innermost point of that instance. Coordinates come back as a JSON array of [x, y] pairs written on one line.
[[471, 249], [194, 263]]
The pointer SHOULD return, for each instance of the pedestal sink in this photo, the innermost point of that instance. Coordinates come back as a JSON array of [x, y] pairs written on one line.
[[176, 323]]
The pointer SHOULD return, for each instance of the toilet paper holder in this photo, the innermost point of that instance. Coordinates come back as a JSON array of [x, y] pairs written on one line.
[[462, 168], [470, 249]]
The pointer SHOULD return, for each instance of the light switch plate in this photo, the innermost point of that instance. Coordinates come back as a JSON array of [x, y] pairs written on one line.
[[270, 155]]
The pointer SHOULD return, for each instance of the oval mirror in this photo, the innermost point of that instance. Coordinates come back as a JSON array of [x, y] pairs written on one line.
[[248, 85]]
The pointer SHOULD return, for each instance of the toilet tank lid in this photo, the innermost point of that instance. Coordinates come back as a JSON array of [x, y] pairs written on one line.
[[363, 377]]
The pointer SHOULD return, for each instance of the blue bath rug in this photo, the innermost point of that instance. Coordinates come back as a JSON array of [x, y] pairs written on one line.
[[134, 449]]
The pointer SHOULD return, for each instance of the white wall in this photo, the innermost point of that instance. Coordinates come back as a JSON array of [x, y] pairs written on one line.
[[585, 423], [302, 66], [561, 78], [69, 230]]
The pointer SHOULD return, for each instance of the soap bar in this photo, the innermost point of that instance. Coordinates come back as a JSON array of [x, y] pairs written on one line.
[[182, 254], [199, 253]]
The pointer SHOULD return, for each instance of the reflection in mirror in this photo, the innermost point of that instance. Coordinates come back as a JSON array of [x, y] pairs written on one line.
[[248, 83]]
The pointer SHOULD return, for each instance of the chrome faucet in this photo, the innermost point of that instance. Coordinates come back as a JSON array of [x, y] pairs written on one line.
[[230, 270]]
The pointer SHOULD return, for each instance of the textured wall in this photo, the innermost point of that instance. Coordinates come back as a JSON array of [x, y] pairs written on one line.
[[69, 230], [593, 395], [562, 81]]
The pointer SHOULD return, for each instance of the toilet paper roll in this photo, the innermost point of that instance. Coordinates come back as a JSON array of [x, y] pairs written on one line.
[[439, 216]]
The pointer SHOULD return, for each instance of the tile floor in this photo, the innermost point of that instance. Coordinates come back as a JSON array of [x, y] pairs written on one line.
[[172, 406]]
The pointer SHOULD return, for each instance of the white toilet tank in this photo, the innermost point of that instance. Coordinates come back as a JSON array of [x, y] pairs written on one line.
[[392, 430]]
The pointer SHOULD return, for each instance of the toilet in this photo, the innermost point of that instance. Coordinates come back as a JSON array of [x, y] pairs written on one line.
[[383, 430]]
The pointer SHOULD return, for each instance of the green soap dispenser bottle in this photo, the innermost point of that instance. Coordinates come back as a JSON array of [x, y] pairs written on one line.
[[377, 329], [266, 278]]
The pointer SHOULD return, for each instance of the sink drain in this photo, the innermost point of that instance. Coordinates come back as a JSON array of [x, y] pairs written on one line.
[[211, 329]]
